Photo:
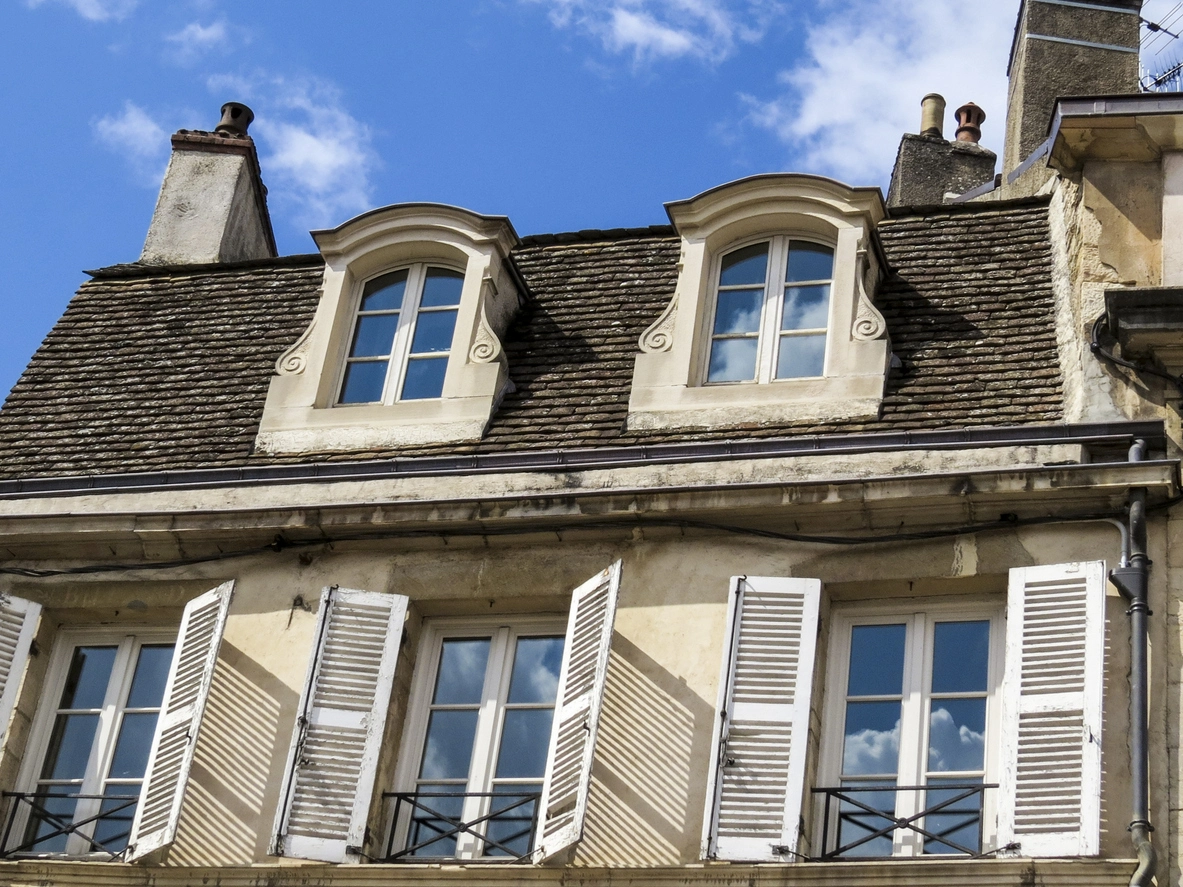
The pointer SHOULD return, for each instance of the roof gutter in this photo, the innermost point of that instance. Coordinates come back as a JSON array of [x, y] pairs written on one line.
[[604, 458]]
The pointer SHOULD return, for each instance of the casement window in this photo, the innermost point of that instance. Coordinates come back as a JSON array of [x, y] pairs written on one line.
[[402, 334], [913, 696], [113, 737], [482, 726], [772, 312], [496, 756], [948, 728]]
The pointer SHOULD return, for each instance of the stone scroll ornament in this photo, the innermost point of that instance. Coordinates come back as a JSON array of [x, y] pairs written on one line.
[[660, 334], [868, 322], [486, 346], [295, 360]]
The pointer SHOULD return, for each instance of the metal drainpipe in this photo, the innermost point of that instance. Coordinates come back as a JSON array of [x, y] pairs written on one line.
[[1132, 582]]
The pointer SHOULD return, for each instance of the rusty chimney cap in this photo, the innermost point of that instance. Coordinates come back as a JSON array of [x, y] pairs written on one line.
[[969, 122], [236, 117]]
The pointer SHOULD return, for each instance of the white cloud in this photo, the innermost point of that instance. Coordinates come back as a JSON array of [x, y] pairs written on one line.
[[196, 39], [96, 10], [136, 136], [708, 30], [317, 158], [953, 746], [843, 107]]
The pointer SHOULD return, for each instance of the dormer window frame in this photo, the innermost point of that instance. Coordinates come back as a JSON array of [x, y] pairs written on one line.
[[771, 333], [670, 388], [303, 412], [401, 353]]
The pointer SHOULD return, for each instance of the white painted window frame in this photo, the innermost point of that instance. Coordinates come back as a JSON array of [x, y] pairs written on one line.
[[504, 633], [400, 349], [920, 616], [67, 640], [770, 334]]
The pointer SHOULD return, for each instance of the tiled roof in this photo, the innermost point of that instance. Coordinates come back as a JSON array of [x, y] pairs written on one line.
[[169, 369]]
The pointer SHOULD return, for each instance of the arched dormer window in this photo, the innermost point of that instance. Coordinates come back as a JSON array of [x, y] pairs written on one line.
[[772, 312], [402, 336], [772, 320], [405, 346]]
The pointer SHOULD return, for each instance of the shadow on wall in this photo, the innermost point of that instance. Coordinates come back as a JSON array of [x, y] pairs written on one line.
[[648, 780], [234, 785]]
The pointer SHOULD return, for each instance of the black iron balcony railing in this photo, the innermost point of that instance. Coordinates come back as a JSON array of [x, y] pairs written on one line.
[[430, 825], [47, 821], [854, 826]]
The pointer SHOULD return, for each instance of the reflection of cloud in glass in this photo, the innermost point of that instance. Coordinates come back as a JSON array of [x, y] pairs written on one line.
[[462, 672], [536, 670], [733, 360], [868, 752], [806, 308], [953, 746]]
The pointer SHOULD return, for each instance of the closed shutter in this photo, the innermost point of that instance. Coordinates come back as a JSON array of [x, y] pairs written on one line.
[[577, 713], [18, 623], [333, 759], [1049, 797], [755, 789], [185, 695]]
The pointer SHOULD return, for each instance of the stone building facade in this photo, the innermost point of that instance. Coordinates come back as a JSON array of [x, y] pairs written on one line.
[[809, 539]]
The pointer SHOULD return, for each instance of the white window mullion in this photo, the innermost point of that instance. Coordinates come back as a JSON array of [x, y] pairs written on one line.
[[773, 305], [912, 732], [397, 370], [101, 750], [485, 742]]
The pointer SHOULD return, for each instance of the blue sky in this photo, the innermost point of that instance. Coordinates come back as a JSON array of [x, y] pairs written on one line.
[[561, 114]]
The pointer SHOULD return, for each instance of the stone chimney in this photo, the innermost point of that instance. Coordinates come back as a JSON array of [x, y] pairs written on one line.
[[1061, 49], [212, 205], [930, 170]]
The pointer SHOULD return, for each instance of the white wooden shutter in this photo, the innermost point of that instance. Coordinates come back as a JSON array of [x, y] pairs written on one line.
[[755, 788], [18, 624], [333, 759], [1049, 796], [185, 695], [577, 713]]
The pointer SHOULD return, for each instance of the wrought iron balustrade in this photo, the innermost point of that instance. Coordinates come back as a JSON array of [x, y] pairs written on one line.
[[430, 824], [45, 822], [943, 825]]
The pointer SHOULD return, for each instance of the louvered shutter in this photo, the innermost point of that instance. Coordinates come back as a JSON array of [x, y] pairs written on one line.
[[1049, 796], [333, 759], [185, 695], [755, 790], [18, 624], [577, 713]]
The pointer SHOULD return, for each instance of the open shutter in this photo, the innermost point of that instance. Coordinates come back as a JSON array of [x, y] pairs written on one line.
[[185, 695], [1049, 796], [333, 759], [18, 623], [577, 713], [755, 789]]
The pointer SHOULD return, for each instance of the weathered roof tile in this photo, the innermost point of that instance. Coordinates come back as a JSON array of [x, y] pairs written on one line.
[[170, 369]]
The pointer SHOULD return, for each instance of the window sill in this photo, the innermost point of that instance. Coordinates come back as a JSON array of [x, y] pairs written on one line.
[[740, 404], [374, 426]]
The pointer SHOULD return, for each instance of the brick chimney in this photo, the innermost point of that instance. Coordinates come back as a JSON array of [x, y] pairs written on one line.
[[1060, 49], [930, 170], [212, 205]]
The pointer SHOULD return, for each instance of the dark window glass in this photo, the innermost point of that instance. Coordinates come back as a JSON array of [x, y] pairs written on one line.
[[809, 262], [425, 378], [877, 660], [364, 381], [441, 287], [745, 266], [385, 293]]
